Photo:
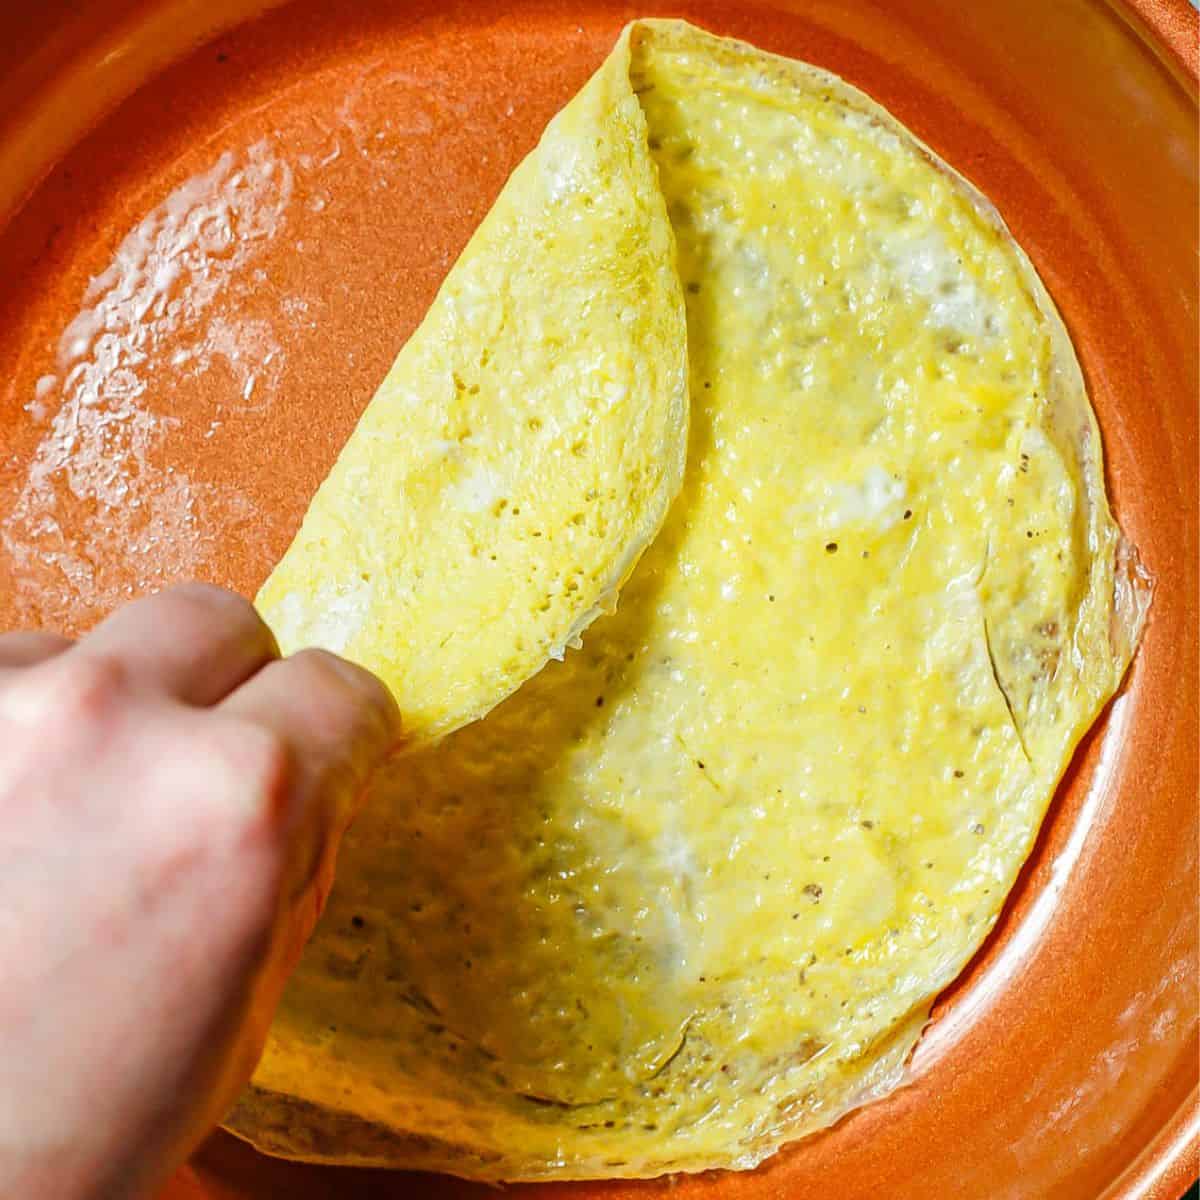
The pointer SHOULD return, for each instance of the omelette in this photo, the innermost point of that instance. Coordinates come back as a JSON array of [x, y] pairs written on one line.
[[689, 893], [510, 470]]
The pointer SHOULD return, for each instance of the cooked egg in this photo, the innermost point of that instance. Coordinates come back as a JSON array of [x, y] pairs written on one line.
[[504, 480], [690, 893]]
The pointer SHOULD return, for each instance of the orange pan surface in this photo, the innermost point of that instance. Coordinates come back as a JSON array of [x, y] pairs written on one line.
[[248, 212]]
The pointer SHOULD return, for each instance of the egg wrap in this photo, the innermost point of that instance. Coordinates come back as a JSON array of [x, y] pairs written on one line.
[[690, 893], [525, 445]]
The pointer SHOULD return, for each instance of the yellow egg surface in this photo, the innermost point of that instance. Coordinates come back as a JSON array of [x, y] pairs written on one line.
[[525, 445], [690, 894]]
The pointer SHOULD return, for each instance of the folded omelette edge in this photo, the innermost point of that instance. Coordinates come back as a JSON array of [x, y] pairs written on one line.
[[536, 423], [714, 1009]]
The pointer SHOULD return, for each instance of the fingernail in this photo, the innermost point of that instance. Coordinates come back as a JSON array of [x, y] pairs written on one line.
[[365, 682]]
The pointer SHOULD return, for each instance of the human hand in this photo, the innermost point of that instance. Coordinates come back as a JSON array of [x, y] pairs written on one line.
[[172, 795]]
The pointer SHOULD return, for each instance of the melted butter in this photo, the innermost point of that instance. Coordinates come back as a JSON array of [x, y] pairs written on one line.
[[97, 490]]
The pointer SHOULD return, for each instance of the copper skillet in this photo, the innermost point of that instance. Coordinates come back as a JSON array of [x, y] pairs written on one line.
[[1064, 1062]]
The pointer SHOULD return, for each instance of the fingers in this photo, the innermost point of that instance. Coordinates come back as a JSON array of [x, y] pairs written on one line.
[[196, 642], [337, 722], [336, 719], [27, 648]]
